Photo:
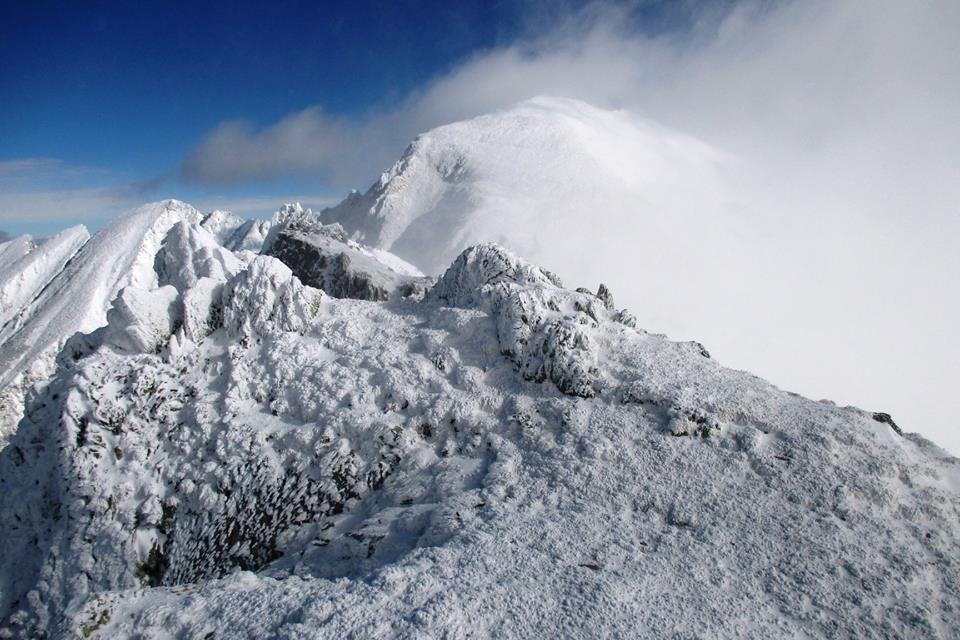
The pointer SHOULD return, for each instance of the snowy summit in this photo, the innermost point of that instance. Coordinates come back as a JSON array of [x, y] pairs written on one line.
[[219, 428]]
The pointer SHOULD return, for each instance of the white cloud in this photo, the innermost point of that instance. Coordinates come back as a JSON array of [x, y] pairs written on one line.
[[64, 205], [41, 193], [304, 141], [9, 168]]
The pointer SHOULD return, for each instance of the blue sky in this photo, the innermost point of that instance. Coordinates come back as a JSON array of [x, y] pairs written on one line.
[[95, 83], [103, 101], [118, 93]]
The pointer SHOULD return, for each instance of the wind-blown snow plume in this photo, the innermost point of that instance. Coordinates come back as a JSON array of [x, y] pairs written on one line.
[[842, 116]]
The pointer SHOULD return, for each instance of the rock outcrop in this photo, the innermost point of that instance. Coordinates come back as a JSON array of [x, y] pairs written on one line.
[[323, 257]]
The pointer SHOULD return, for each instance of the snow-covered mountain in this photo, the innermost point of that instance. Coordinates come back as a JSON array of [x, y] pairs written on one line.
[[696, 242], [66, 285], [539, 177], [237, 453], [213, 427]]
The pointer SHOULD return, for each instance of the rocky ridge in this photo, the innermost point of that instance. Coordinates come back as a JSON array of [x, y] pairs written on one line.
[[239, 453]]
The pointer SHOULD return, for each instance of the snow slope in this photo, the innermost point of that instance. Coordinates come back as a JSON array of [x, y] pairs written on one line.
[[77, 298], [13, 249], [690, 238], [239, 455], [22, 279], [544, 176]]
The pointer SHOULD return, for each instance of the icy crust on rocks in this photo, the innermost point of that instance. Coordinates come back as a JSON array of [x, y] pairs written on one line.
[[210, 289], [539, 326], [289, 464], [323, 257], [235, 233], [77, 298]]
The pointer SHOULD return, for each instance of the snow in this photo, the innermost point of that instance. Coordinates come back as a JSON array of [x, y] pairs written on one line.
[[688, 239], [14, 249], [546, 175], [234, 232], [240, 429], [21, 280], [239, 454], [77, 298]]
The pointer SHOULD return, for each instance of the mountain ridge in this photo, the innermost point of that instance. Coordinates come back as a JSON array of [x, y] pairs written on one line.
[[238, 453], [217, 427]]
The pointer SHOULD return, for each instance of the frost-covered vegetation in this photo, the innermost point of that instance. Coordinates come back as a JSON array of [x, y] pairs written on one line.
[[279, 432]]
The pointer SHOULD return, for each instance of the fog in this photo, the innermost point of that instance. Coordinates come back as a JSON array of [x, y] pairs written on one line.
[[838, 124]]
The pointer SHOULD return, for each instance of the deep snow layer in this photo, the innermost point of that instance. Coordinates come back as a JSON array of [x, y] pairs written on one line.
[[242, 455]]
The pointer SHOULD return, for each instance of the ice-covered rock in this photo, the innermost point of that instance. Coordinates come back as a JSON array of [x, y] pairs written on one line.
[[202, 308], [222, 225], [189, 253], [77, 298], [323, 257], [238, 454], [142, 321], [235, 233], [478, 270], [63, 287], [267, 296], [538, 323]]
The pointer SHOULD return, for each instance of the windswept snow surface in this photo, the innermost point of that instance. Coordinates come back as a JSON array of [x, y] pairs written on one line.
[[77, 298], [549, 177], [688, 237], [239, 455], [22, 279]]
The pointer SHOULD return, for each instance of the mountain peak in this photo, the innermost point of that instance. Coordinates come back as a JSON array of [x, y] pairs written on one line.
[[245, 428], [522, 176]]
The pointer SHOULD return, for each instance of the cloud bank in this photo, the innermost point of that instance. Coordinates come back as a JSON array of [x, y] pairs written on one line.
[[845, 114]]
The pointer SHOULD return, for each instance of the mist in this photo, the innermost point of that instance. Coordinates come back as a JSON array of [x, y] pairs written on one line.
[[836, 122]]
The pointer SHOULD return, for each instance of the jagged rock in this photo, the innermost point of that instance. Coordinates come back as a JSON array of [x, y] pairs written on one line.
[[202, 308], [885, 418], [323, 257], [142, 321], [527, 307], [469, 280], [235, 233], [76, 299], [625, 318], [605, 296], [189, 253], [267, 296]]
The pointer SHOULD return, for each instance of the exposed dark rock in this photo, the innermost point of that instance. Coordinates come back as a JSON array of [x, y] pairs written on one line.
[[323, 257], [885, 418], [605, 296]]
